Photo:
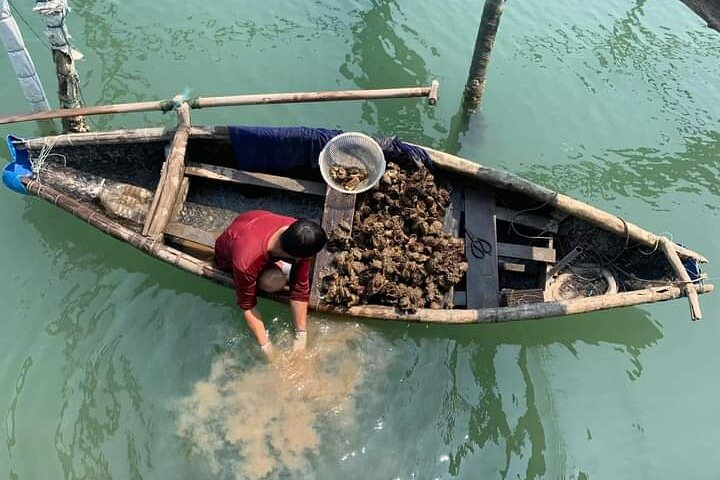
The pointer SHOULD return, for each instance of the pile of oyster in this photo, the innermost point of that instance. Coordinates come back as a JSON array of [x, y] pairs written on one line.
[[396, 253]]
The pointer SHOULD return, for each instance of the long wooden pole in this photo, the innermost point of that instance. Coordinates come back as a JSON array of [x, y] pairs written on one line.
[[260, 99], [54, 13], [475, 86]]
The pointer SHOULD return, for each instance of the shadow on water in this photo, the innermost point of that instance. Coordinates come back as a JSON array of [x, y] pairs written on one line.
[[494, 394], [379, 55]]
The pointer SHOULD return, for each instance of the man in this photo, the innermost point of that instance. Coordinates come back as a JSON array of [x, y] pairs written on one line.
[[254, 247]]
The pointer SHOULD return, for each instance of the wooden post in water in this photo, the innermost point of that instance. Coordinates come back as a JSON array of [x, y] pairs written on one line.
[[54, 13], [23, 65], [481, 57]]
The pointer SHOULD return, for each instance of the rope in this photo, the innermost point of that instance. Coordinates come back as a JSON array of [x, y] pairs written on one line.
[[45, 153], [627, 231]]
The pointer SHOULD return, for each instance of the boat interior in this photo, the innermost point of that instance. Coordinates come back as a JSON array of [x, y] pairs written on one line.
[[519, 251]]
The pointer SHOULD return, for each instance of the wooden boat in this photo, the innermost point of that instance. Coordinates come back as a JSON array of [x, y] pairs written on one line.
[[169, 192]]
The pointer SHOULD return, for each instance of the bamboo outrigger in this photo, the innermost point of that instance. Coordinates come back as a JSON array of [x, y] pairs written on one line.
[[169, 192]]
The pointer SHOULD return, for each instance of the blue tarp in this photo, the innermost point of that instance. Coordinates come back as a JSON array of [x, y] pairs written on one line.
[[279, 149]]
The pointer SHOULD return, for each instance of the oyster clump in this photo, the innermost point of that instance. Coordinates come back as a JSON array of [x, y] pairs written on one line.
[[396, 254], [349, 178]]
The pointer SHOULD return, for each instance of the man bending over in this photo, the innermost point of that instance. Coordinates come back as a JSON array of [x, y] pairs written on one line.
[[254, 247]]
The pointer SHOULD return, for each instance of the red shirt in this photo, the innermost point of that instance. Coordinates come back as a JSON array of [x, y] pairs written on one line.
[[243, 249]]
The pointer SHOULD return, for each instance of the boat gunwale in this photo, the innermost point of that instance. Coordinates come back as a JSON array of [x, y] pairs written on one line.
[[442, 160]]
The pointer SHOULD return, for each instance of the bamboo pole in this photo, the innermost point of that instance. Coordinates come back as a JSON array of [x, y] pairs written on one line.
[[140, 135], [21, 61], [272, 98], [173, 171], [520, 312], [260, 99], [669, 248], [54, 13], [475, 86], [593, 215]]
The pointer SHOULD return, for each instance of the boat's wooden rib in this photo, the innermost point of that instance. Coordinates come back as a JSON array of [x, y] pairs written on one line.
[[526, 252], [527, 219], [173, 171], [339, 207], [595, 216], [199, 238], [679, 269], [481, 249], [225, 174]]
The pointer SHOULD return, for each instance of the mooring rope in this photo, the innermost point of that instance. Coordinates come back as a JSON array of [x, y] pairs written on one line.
[[45, 152]]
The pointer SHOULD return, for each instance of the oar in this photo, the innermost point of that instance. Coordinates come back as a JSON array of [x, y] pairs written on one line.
[[255, 99]]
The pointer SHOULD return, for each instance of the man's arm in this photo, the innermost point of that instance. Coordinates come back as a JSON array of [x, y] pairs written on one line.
[[299, 310], [256, 325], [245, 290], [300, 293]]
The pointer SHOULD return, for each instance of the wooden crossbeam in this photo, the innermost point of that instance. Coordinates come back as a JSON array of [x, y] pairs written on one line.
[[483, 289], [226, 174], [537, 222], [527, 252]]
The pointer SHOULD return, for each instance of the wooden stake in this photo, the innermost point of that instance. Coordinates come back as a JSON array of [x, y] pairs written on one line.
[[669, 248], [54, 13], [484, 42]]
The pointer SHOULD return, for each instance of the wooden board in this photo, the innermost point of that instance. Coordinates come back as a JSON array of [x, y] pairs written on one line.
[[482, 275], [199, 237], [527, 252], [451, 226], [537, 222], [339, 207], [251, 178]]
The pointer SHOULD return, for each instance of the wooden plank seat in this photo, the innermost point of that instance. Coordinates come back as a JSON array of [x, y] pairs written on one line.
[[527, 252], [226, 174], [481, 249], [339, 207], [192, 238]]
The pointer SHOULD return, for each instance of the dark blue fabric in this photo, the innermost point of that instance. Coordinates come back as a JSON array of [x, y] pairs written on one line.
[[279, 149]]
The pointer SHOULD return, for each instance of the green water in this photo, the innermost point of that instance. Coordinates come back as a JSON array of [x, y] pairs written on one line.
[[115, 365]]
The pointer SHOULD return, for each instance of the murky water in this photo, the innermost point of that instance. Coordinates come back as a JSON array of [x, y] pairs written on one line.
[[117, 366]]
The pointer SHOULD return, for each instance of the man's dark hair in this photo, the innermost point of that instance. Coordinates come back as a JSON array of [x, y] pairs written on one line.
[[303, 239]]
